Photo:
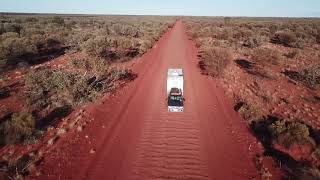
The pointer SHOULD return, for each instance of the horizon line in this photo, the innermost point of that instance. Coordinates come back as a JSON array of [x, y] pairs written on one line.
[[116, 14]]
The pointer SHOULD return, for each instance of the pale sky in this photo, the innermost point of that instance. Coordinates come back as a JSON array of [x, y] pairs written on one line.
[[283, 8]]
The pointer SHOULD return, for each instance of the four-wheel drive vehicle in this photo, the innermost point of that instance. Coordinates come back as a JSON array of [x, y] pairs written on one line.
[[175, 90]]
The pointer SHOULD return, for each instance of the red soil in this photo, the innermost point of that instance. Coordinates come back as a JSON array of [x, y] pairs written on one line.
[[297, 151], [11, 102], [134, 137], [278, 95]]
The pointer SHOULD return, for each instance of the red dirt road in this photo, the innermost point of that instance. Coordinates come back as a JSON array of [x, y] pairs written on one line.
[[134, 136]]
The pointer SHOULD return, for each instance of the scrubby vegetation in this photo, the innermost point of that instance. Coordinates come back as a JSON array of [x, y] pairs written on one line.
[[292, 144], [268, 66], [27, 42], [289, 133], [18, 128], [243, 34], [215, 60], [31, 40], [47, 89], [51, 94], [287, 38], [264, 56], [309, 76], [248, 112], [48, 93], [51, 65]]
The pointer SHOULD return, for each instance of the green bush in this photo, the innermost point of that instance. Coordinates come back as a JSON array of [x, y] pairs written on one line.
[[18, 128], [289, 133]]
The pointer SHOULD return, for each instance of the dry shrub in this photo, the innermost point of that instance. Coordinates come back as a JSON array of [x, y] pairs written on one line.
[[287, 38], [298, 141], [50, 89], [289, 133], [81, 64], [267, 56], [145, 45], [209, 42], [305, 173], [100, 46], [112, 48], [215, 60], [318, 38], [58, 20], [254, 41], [248, 112], [224, 34], [9, 35], [11, 48], [18, 168], [17, 129], [123, 75], [310, 77], [292, 54], [19, 49], [32, 38], [11, 27]]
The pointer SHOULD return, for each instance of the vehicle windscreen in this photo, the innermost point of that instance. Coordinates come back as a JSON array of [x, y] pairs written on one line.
[[175, 101]]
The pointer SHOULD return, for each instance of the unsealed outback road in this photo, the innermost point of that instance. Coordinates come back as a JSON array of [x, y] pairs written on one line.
[[134, 137]]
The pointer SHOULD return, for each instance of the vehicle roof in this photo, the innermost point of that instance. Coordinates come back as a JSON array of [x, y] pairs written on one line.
[[175, 72]]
